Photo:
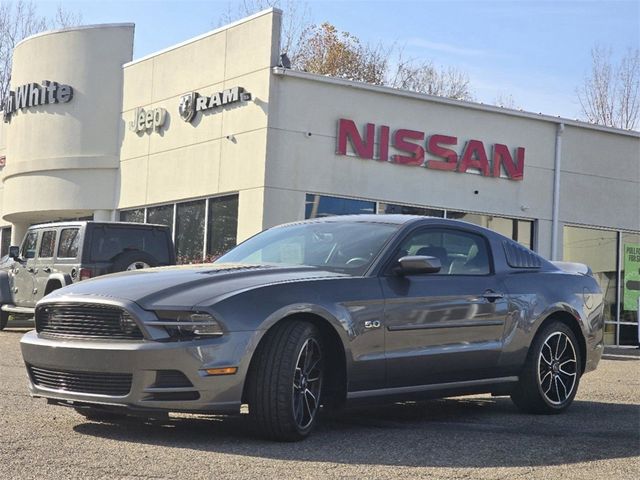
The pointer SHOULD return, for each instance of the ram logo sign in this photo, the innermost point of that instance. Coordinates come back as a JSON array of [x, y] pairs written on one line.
[[192, 102]]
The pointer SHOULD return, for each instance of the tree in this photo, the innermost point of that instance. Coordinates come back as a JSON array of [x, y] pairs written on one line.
[[425, 77], [19, 20], [506, 101], [610, 93], [325, 50]]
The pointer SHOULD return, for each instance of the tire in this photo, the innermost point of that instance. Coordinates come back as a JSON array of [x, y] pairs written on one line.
[[133, 260], [284, 385], [551, 373], [99, 415], [4, 319]]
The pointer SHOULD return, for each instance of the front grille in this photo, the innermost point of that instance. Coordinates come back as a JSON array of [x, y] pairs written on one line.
[[114, 384], [86, 321], [171, 379]]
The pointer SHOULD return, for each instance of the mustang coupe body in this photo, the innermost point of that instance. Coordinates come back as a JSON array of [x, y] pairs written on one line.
[[327, 312]]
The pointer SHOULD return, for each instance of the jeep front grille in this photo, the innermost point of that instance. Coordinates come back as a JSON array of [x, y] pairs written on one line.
[[113, 384], [86, 321]]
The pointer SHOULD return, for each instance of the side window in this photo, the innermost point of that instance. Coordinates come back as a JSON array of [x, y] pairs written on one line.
[[47, 244], [69, 243], [460, 253], [29, 245]]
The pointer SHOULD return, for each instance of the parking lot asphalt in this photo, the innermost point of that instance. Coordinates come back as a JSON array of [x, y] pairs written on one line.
[[476, 437]]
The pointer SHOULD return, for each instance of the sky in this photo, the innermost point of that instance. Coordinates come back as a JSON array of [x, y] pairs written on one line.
[[538, 52]]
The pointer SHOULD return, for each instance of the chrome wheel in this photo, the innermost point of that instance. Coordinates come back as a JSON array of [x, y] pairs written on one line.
[[557, 368], [307, 383], [138, 266]]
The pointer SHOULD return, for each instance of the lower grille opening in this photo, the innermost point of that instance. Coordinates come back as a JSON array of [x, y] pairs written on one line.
[[100, 383], [171, 379], [172, 396]]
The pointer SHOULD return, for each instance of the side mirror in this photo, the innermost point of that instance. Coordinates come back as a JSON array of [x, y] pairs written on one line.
[[14, 252], [418, 264]]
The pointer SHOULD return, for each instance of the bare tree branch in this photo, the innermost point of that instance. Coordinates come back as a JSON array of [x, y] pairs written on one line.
[[325, 50], [609, 95], [19, 19]]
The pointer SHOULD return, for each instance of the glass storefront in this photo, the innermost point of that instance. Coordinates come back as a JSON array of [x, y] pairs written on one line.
[[520, 230], [614, 258], [210, 223], [317, 206]]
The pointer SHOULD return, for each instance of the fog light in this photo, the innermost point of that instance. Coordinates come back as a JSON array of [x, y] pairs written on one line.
[[222, 371]]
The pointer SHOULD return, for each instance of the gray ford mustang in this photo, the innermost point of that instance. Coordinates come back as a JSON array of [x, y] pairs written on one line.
[[328, 313]]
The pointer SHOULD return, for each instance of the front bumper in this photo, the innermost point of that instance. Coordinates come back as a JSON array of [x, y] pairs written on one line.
[[142, 360]]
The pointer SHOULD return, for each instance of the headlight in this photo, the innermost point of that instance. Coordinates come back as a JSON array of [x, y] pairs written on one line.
[[188, 324]]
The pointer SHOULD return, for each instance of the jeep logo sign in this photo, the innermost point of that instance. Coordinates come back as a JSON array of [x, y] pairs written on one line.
[[192, 102], [34, 95], [148, 120]]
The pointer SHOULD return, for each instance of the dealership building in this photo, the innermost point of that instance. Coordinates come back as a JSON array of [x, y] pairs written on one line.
[[217, 139]]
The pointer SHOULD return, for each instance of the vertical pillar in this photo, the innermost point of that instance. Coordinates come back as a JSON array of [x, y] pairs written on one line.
[[17, 232]]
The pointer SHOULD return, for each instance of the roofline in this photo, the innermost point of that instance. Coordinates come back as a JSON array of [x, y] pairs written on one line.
[[286, 72], [204, 35], [79, 27]]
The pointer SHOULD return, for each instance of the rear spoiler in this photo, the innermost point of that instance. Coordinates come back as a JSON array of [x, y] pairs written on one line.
[[572, 267]]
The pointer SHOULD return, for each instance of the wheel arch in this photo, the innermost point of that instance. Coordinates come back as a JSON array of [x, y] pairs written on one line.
[[571, 321], [337, 369], [56, 281]]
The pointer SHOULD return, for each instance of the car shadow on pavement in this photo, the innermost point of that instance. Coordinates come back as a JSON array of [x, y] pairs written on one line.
[[471, 432]]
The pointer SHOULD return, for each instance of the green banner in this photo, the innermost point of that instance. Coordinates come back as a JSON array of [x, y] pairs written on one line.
[[631, 280]]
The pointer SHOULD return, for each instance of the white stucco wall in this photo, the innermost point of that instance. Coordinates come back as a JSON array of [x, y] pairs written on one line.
[[302, 158], [220, 151], [62, 158]]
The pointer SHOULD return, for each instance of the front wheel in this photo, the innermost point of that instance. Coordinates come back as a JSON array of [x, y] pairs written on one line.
[[551, 373], [285, 381]]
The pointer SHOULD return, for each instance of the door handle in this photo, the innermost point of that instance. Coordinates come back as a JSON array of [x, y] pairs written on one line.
[[47, 269], [30, 270], [492, 296]]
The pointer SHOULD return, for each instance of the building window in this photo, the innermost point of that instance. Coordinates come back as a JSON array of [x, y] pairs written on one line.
[[599, 250], [409, 210], [629, 288], [219, 215], [5, 241], [222, 225], [162, 215], [519, 230], [190, 231], [317, 206], [135, 215]]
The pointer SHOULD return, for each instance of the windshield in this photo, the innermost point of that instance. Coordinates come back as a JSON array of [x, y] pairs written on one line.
[[336, 246]]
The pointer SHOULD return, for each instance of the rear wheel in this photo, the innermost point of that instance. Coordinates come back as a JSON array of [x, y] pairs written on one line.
[[133, 260], [551, 374], [284, 385]]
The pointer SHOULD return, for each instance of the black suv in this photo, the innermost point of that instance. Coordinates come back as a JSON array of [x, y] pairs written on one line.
[[54, 255]]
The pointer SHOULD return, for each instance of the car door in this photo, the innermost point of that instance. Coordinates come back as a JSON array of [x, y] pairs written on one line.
[[24, 271], [448, 326], [44, 261]]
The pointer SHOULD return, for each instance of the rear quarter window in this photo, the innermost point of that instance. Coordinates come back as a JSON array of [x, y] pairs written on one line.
[[47, 244], [69, 243], [107, 242]]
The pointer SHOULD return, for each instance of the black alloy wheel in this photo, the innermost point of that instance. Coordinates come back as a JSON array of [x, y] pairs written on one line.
[[284, 383], [551, 374]]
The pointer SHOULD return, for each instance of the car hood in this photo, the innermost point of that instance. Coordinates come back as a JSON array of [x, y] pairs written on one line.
[[190, 285]]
